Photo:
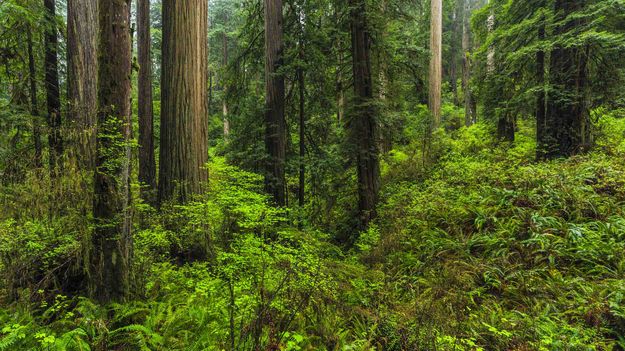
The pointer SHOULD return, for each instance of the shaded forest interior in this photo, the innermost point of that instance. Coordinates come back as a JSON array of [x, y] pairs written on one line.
[[312, 175]]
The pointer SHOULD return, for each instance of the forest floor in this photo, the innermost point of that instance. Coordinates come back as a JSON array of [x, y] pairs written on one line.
[[486, 250]]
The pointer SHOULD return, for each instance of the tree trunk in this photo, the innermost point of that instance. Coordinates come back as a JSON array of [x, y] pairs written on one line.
[[82, 77], [111, 240], [453, 67], [53, 98], [275, 129], [147, 163], [34, 105], [567, 123], [436, 61], [541, 111], [184, 115], [469, 111], [362, 124], [302, 126], [223, 84]]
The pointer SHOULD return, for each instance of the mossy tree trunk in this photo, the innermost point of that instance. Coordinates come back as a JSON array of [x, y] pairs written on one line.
[[112, 244], [53, 97]]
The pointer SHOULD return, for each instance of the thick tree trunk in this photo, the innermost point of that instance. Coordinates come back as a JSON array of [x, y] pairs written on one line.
[[469, 111], [82, 66], [275, 129], [436, 61], [567, 124], [147, 163], [184, 114], [111, 240], [362, 124], [53, 97], [34, 105]]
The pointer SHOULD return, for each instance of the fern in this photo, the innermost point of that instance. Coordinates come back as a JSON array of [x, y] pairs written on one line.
[[14, 333]]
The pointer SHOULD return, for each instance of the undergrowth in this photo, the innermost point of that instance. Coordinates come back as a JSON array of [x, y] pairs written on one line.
[[485, 250]]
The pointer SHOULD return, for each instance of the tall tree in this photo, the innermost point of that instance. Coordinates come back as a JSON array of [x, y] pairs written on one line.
[[53, 97], [147, 163], [275, 129], [567, 119], [82, 76], [469, 110], [184, 114], [224, 101], [362, 124], [110, 259], [34, 105], [541, 108], [301, 84], [436, 60]]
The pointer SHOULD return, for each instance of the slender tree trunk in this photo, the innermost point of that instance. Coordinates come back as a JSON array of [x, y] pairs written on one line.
[[111, 239], [436, 61], [53, 97], [362, 124], [302, 126], [223, 84], [453, 66], [275, 129], [541, 110], [147, 163], [34, 105], [340, 89], [184, 114], [210, 92], [490, 55], [469, 111], [82, 77]]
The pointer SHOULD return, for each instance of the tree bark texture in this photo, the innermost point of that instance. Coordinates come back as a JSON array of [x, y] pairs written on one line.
[[111, 239], [147, 163], [362, 125], [184, 110], [436, 61], [82, 32], [275, 129]]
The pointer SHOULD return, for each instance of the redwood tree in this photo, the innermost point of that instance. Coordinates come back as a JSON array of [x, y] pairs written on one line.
[[53, 97], [436, 60], [567, 122], [362, 123], [184, 114], [82, 76], [275, 129], [147, 163], [34, 105], [110, 258]]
